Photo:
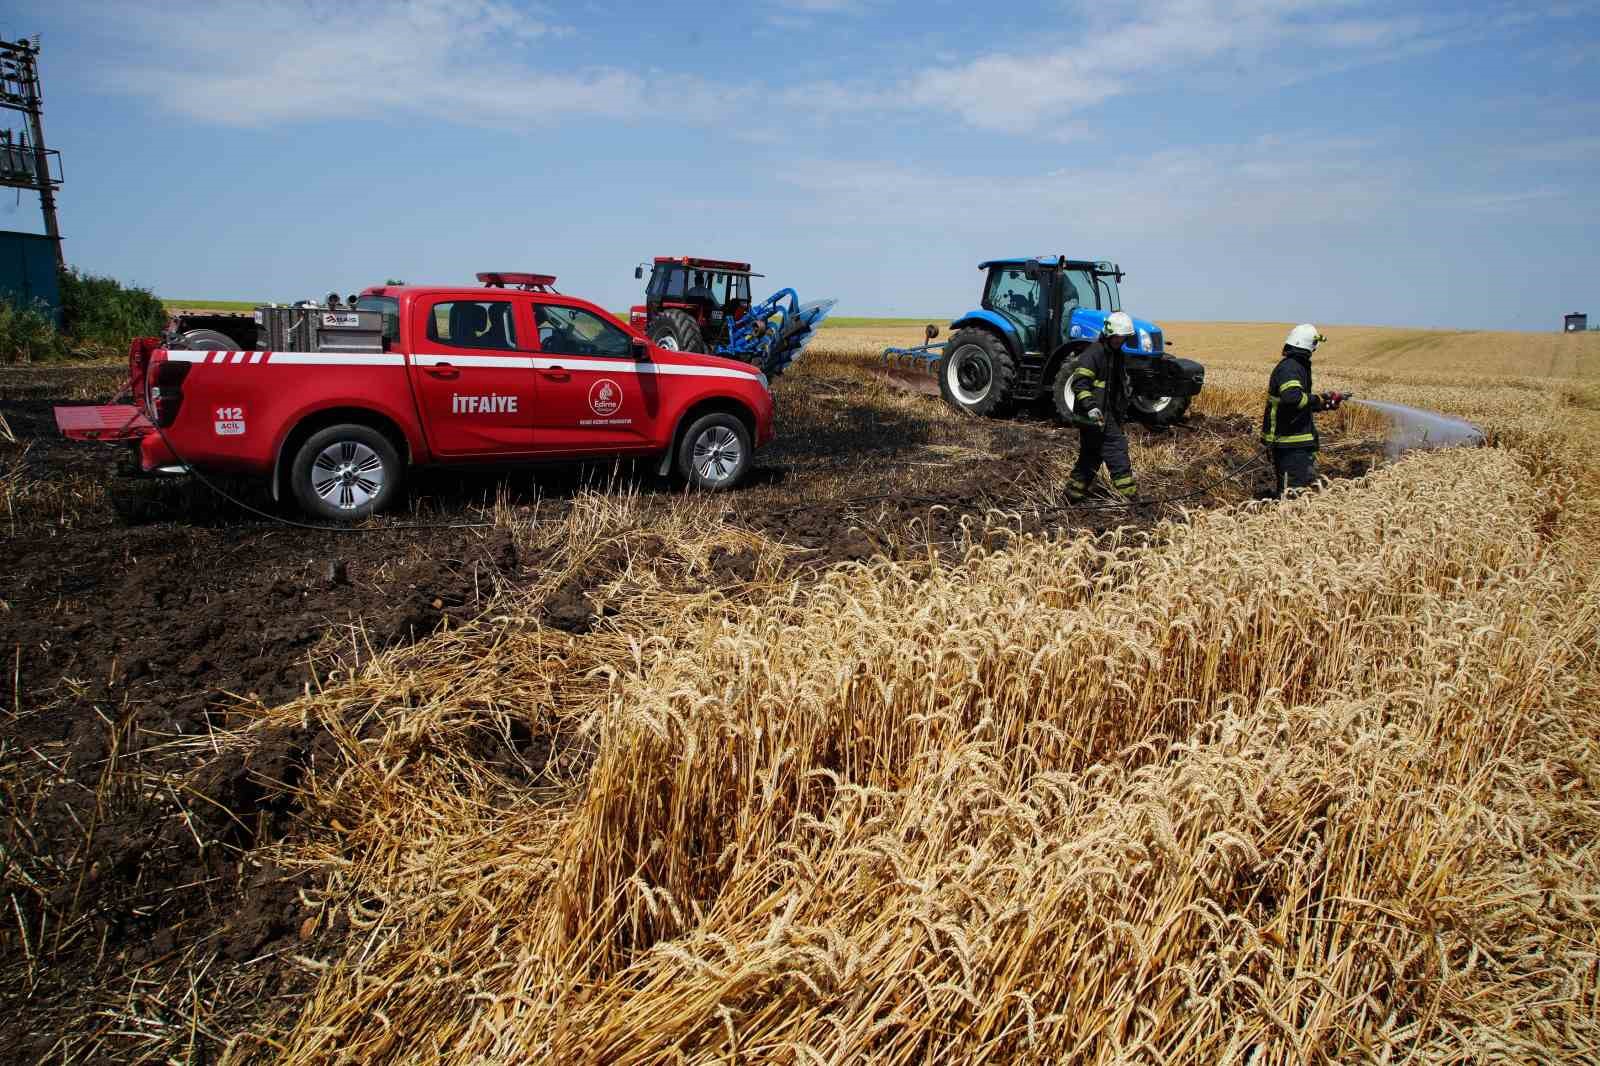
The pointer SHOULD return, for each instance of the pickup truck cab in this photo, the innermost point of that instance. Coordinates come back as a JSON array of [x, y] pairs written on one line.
[[485, 375]]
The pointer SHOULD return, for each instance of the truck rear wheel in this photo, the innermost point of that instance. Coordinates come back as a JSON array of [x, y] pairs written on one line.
[[345, 473], [676, 331], [714, 453], [204, 340], [977, 373]]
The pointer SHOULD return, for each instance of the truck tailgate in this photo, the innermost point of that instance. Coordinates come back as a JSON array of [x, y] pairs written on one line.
[[117, 421]]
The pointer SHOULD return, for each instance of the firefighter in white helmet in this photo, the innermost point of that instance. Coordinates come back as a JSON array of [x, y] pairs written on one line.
[[1286, 425], [1100, 390]]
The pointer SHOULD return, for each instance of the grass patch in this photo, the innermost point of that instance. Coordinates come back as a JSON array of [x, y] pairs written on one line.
[[210, 305]]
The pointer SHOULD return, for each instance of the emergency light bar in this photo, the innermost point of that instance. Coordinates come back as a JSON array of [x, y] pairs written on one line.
[[499, 279]]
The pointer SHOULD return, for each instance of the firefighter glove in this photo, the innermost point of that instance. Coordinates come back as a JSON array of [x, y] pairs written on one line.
[[1096, 417]]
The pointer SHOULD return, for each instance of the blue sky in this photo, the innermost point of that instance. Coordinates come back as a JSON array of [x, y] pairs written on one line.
[[1338, 162]]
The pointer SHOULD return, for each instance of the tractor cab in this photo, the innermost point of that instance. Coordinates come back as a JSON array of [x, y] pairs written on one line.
[[1040, 298], [710, 294]]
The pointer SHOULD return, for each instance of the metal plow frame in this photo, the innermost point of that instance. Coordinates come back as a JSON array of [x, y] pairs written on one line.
[[924, 358], [772, 334]]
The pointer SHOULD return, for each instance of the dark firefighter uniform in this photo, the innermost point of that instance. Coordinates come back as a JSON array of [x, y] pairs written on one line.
[[1286, 425], [1101, 382]]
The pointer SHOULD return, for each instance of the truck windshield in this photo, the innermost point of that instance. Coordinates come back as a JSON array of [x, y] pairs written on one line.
[[390, 307]]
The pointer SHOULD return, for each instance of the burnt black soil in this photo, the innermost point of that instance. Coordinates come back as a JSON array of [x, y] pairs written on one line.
[[134, 617]]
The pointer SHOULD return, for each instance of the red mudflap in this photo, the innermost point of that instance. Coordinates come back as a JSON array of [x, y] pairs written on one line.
[[118, 421]]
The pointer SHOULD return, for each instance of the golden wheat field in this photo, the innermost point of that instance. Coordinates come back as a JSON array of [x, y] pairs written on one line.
[[1311, 782], [1293, 783]]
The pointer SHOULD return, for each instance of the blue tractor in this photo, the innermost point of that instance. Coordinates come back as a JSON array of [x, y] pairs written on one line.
[[1037, 314]]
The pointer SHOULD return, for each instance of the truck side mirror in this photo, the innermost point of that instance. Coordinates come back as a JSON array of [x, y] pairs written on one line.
[[638, 272], [641, 351]]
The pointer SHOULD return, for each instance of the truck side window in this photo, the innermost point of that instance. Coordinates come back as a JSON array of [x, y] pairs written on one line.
[[574, 331], [472, 324]]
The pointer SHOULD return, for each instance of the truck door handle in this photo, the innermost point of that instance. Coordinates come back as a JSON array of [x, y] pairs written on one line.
[[443, 370], [557, 373]]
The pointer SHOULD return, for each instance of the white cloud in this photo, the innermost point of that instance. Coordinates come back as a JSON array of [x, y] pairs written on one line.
[[1115, 50], [470, 61], [1265, 184]]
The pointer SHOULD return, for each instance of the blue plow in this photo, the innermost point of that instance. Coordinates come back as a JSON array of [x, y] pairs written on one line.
[[772, 334], [924, 358]]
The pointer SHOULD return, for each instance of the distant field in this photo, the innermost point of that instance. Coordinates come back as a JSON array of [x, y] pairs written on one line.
[[1242, 347], [210, 305], [1245, 346]]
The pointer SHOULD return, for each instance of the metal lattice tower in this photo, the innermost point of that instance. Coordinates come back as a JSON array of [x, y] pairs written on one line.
[[25, 162]]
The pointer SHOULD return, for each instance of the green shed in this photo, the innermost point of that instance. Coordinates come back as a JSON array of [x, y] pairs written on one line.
[[28, 271]]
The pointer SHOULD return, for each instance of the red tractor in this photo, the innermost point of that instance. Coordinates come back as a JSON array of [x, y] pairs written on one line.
[[703, 305], [691, 304]]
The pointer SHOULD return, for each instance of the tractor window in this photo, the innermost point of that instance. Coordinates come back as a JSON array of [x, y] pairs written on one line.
[[1110, 297], [1013, 294], [740, 289], [472, 324], [667, 283], [574, 331], [1077, 290]]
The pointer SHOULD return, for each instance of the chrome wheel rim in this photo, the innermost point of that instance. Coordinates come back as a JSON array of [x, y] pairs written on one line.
[[970, 374], [347, 475], [669, 343], [716, 455], [1152, 405]]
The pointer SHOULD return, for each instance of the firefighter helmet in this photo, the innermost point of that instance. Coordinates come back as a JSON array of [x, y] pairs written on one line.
[[1305, 337], [1119, 324]]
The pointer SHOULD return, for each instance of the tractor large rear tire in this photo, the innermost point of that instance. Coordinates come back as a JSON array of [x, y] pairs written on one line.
[[977, 373], [677, 331]]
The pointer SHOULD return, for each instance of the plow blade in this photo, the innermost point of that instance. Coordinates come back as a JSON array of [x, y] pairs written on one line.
[[798, 332]]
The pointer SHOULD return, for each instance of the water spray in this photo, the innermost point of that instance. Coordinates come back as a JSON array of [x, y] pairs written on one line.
[[1415, 427]]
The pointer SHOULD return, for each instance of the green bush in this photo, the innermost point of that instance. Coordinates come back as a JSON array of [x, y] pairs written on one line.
[[27, 334], [102, 315], [99, 316]]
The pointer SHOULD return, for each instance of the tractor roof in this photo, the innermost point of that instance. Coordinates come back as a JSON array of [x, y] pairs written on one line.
[[727, 266], [1046, 260]]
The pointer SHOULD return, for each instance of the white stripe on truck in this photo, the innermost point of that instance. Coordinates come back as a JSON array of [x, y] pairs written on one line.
[[520, 362]]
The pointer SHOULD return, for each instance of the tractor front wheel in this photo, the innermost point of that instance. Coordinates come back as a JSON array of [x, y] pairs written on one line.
[[977, 373], [677, 331], [1159, 410], [1061, 394]]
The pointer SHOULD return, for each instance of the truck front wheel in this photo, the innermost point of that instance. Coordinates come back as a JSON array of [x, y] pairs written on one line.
[[345, 473], [714, 452]]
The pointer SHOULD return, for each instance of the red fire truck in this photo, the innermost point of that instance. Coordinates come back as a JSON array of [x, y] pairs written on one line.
[[400, 376]]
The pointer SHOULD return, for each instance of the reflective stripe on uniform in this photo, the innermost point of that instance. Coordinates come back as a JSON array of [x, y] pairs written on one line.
[[1293, 438], [1287, 385]]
